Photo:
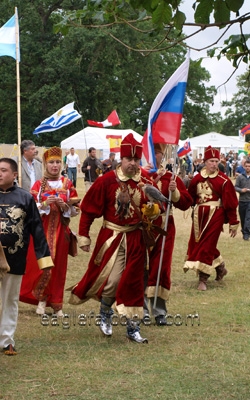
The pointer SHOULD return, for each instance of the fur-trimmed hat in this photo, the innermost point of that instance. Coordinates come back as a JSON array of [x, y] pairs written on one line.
[[54, 153], [130, 147], [211, 152]]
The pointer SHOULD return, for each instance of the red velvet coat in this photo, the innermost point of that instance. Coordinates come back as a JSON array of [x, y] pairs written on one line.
[[183, 202], [216, 203], [101, 201]]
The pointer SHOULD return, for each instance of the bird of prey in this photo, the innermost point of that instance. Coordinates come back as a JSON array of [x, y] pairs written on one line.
[[154, 195], [123, 201]]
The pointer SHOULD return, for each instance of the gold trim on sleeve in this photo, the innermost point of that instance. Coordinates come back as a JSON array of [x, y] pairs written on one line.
[[176, 195], [83, 241], [45, 262]]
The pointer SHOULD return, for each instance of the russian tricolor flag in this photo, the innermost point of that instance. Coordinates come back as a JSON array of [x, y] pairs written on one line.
[[165, 116]]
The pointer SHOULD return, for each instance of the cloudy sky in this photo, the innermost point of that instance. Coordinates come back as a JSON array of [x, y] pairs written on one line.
[[220, 70]]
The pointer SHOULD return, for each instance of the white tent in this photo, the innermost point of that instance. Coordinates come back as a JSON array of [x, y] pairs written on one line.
[[214, 139], [96, 137]]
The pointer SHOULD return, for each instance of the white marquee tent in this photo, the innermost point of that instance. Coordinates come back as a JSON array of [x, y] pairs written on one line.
[[223, 142], [96, 137]]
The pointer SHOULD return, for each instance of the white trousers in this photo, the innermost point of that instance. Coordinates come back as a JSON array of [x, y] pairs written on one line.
[[10, 289]]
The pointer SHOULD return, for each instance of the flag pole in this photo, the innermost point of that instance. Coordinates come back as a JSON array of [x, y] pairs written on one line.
[[165, 229], [18, 100], [86, 148], [85, 140]]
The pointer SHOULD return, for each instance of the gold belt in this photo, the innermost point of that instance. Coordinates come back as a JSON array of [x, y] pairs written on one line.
[[120, 228]]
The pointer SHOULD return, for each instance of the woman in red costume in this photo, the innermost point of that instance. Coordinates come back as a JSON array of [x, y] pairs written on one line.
[[55, 196]]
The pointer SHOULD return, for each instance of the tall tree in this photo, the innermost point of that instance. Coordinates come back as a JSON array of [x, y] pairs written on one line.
[[238, 112], [166, 16], [89, 67]]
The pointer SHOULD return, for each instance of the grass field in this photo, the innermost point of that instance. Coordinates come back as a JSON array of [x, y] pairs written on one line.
[[209, 361]]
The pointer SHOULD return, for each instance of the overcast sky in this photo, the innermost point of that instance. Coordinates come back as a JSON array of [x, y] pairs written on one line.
[[219, 70]]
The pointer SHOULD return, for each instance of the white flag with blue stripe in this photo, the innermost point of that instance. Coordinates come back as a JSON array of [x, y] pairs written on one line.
[[65, 116], [8, 39]]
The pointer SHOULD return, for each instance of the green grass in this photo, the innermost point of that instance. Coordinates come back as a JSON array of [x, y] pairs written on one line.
[[206, 362]]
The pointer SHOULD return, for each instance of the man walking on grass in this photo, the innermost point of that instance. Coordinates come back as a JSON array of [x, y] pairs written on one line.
[[215, 203], [242, 186]]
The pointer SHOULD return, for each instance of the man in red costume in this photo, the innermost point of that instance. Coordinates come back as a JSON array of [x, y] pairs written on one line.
[[166, 182], [215, 203], [116, 268]]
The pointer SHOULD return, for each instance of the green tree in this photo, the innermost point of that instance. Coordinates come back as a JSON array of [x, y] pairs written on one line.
[[196, 117], [89, 67], [41, 93], [165, 16], [238, 112]]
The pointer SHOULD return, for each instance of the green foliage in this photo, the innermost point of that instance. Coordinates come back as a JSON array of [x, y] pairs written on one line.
[[221, 12], [203, 11], [238, 112], [234, 5], [91, 68], [164, 14], [179, 19]]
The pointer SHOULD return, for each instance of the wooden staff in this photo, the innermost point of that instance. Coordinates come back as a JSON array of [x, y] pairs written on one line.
[[165, 229]]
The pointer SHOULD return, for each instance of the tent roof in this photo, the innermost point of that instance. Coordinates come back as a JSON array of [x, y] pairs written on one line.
[[216, 140], [95, 137]]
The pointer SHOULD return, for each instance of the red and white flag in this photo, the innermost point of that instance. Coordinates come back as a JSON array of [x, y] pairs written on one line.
[[112, 120]]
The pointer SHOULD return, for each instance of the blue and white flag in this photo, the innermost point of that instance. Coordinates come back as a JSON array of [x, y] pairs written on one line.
[[8, 39], [65, 116]]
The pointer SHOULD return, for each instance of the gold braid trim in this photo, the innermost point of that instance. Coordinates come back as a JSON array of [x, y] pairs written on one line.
[[199, 266], [162, 292], [130, 312], [213, 206]]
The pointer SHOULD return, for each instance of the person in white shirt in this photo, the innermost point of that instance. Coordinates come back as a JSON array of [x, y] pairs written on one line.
[[72, 165]]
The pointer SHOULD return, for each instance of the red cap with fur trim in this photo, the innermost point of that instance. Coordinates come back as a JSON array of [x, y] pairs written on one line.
[[211, 152], [130, 148]]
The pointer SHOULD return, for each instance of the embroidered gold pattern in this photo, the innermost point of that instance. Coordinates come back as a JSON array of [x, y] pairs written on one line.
[[204, 192], [134, 194], [14, 225]]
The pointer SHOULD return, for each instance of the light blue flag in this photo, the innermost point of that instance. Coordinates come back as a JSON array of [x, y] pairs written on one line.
[[8, 39], [65, 116]]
